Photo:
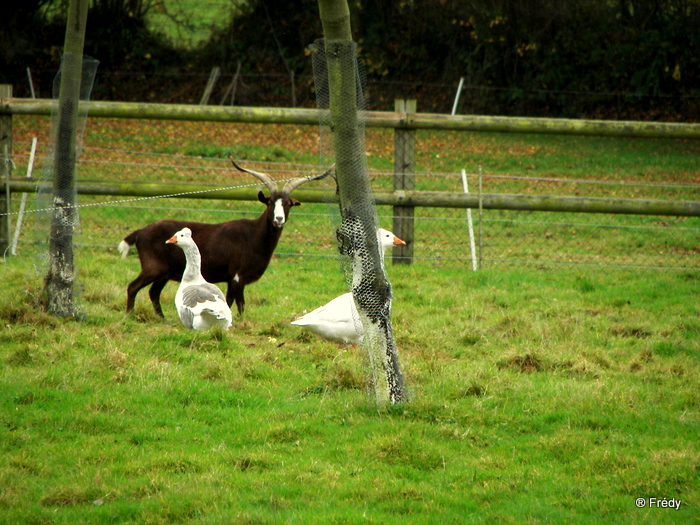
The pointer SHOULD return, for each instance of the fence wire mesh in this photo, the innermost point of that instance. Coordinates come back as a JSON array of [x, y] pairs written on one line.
[[441, 235], [57, 215], [341, 96]]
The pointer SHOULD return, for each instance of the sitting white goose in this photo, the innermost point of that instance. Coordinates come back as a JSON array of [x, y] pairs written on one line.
[[339, 319], [200, 304]]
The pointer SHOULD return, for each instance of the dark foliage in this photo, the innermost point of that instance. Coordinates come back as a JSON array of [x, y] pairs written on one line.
[[27, 38], [583, 58]]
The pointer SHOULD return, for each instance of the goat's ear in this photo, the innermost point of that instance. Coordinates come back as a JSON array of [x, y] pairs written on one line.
[[295, 202], [262, 198]]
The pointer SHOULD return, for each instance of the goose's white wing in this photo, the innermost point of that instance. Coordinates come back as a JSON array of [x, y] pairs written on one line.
[[337, 320], [201, 306]]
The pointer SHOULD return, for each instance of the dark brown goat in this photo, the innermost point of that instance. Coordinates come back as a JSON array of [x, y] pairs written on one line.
[[236, 252]]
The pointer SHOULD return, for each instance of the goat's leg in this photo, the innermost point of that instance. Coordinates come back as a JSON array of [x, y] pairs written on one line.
[[154, 294], [235, 293], [134, 287]]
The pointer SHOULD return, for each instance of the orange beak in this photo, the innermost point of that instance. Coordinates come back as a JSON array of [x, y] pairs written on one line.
[[398, 242], [172, 240]]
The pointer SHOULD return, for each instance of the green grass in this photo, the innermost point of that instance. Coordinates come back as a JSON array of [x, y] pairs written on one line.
[[541, 393], [629, 166], [538, 396]]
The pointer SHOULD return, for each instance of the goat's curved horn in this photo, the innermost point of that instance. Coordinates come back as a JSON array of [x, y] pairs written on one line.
[[262, 177], [295, 183]]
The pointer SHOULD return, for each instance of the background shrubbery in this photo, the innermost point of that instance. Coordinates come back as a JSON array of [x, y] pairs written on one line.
[[584, 58]]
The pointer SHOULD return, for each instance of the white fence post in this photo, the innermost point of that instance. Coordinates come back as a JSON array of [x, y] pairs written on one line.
[[18, 226], [470, 226]]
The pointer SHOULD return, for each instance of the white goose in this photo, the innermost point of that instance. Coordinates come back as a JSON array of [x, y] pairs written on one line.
[[200, 304], [338, 320]]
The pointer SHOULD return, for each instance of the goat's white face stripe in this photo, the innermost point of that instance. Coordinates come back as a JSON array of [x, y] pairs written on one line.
[[278, 214]]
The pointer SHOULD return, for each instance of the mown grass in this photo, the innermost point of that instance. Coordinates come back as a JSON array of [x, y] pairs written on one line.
[[537, 396]]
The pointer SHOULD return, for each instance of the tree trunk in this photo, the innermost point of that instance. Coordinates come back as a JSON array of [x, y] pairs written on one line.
[[370, 286], [58, 283]]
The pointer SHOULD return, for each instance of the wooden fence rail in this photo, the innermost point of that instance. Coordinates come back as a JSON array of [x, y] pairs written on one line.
[[430, 199], [374, 119]]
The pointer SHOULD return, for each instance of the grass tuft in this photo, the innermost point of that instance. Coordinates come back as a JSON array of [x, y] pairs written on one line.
[[70, 496], [525, 364]]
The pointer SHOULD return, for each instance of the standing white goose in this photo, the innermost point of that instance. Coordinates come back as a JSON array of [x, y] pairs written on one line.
[[338, 320], [200, 304]]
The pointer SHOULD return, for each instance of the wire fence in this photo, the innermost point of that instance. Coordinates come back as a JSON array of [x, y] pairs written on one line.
[[441, 235]]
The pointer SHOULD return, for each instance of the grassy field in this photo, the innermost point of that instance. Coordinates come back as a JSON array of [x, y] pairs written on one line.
[[537, 397], [540, 394]]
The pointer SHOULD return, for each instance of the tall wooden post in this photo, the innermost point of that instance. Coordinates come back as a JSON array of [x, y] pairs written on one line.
[[5, 172], [404, 180]]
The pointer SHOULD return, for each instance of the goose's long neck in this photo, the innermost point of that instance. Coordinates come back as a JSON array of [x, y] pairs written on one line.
[[382, 251], [193, 268]]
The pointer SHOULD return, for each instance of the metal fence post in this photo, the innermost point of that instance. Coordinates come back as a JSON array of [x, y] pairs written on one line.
[[5, 171], [404, 180]]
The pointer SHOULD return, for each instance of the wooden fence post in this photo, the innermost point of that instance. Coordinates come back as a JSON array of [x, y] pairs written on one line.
[[404, 165], [231, 89], [5, 172], [213, 77]]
